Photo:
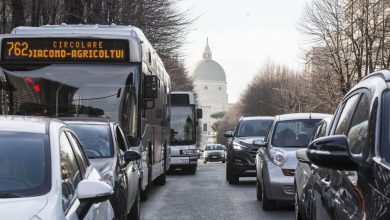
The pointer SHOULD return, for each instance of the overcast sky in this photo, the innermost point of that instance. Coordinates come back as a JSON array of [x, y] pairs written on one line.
[[243, 35]]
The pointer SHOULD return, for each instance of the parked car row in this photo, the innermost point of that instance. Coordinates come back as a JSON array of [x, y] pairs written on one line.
[[328, 166], [70, 169]]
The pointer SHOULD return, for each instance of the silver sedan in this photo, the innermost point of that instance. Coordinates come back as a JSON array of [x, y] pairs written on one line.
[[276, 159]]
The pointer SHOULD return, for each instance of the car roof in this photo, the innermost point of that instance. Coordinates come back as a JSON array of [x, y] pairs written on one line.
[[29, 124], [257, 118], [295, 116]]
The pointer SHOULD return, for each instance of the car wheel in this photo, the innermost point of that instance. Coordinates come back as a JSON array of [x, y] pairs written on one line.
[[258, 189], [135, 211], [266, 203], [204, 161], [192, 170], [144, 194], [230, 176]]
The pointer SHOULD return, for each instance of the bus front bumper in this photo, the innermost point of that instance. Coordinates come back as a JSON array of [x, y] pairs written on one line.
[[184, 160]]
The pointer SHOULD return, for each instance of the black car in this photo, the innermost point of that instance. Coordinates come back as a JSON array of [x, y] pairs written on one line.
[[302, 178], [108, 151], [241, 152], [351, 167]]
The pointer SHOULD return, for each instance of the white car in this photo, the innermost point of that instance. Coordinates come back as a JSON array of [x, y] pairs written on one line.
[[44, 173]]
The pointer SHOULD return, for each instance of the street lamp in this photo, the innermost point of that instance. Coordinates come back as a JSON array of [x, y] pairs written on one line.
[[286, 91]]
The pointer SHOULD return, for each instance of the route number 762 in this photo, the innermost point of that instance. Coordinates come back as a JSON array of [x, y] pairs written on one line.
[[17, 48]]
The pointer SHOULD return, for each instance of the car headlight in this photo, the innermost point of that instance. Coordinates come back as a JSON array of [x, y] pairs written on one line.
[[237, 146], [278, 157], [109, 177]]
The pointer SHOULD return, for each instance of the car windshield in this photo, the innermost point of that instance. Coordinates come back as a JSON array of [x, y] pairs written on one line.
[[253, 128], [25, 165], [293, 133], [95, 140], [213, 147]]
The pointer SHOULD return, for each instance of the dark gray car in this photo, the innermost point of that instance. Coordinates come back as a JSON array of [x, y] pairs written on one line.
[[108, 151]]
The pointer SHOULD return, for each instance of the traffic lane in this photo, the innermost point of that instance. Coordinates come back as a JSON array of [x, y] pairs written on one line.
[[207, 195]]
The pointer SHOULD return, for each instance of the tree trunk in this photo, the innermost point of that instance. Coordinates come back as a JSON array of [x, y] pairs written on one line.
[[17, 13]]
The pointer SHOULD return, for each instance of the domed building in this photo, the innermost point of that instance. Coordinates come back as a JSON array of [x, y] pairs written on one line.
[[210, 86]]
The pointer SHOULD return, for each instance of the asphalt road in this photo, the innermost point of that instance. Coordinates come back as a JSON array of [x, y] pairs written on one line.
[[207, 195]]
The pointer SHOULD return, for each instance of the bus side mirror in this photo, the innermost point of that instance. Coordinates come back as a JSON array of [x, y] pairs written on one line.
[[199, 113], [150, 87]]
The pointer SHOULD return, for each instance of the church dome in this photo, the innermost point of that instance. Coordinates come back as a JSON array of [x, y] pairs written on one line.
[[207, 69]]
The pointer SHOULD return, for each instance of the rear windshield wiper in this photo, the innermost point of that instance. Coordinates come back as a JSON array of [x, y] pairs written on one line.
[[10, 195]]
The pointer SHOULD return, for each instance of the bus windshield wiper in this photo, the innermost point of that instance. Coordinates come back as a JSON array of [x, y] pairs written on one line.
[[10, 195]]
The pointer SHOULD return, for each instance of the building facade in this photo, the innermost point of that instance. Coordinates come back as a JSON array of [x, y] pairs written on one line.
[[211, 87]]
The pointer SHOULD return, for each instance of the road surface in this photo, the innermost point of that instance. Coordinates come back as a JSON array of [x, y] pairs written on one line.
[[207, 195]]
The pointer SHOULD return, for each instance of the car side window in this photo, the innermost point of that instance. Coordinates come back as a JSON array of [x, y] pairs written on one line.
[[357, 134], [322, 132], [122, 143], [346, 114], [78, 150], [318, 131], [70, 171]]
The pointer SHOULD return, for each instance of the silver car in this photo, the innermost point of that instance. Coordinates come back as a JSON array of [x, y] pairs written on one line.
[[276, 160], [44, 173], [214, 153]]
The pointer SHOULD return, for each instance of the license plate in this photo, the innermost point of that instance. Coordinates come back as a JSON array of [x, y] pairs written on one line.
[[214, 157]]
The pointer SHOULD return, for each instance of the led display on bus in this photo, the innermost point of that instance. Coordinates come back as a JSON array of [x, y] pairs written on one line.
[[65, 50]]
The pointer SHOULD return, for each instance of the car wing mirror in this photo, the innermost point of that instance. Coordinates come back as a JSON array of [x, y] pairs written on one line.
[[131, 155], [259, 143], [331, 152], [93, 191], [302, 156], [228, 134]]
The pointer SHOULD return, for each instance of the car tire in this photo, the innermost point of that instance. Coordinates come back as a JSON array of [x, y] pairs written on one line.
[[230, 176], [258, 190], [135, 212], [266, 204], [204, 161], [192, 170], [161, 180], [223, 161], [144, 194]]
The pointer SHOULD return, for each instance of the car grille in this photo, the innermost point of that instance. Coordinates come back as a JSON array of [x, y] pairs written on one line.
[[253, 152], [214, 154]]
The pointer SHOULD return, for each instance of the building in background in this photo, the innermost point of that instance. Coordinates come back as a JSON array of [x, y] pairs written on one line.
[[211, 87]]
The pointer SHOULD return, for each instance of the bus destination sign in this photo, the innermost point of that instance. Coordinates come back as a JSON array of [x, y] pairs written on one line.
[[65, 50]]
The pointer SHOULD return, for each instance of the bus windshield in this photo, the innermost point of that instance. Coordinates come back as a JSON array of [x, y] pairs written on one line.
[[60, 90], [183, 125]]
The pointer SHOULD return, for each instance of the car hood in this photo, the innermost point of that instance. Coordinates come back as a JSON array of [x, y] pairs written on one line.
[[248, 140], [28, 207], [102, 164], [292, 160]]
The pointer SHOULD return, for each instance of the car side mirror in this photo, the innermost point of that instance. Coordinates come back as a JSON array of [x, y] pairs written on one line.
[[199, 113], [260, 143], [331, 152], [228, 134], [131, 155], [302, 156], [93, 191]]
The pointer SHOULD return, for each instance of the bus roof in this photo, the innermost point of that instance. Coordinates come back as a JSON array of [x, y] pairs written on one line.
[[141, 49]]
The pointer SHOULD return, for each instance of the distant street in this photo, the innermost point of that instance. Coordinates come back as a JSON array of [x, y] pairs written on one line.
[[207, 195]]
